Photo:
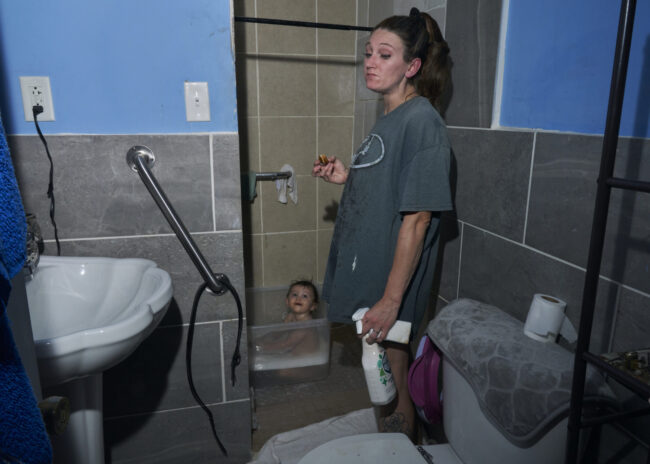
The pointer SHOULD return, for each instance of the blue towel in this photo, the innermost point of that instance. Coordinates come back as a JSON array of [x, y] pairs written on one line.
[[23, 437], [13, 226]]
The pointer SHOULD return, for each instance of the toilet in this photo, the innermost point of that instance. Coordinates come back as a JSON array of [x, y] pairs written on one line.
[[506, 397]]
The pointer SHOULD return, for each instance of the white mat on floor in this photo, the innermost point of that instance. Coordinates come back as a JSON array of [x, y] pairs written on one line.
[[290, 447]]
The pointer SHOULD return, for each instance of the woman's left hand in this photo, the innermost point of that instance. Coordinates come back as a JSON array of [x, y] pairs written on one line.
[[379, 320]]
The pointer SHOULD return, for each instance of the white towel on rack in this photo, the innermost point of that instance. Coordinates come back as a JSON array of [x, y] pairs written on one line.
[[289, 185]]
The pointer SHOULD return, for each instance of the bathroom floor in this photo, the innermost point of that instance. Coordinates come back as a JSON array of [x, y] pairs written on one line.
[[286, 407]]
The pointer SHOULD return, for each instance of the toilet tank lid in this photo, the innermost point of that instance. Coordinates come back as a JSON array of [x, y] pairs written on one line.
[[523, 386]]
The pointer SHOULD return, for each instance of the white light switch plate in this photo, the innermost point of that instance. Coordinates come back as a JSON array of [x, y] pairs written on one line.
[[197, 101]]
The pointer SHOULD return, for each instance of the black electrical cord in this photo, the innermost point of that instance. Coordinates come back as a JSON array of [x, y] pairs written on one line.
[[236, 357], [36, 110]]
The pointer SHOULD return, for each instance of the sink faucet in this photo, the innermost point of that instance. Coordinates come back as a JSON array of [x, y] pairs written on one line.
[[35, 245]]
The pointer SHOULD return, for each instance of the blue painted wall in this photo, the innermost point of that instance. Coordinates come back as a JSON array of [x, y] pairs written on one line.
[[558, 66], [118, 66]]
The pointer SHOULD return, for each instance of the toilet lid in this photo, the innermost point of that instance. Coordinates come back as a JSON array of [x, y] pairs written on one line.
[[370, 448]]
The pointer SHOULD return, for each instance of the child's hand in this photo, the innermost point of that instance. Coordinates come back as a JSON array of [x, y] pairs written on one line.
[[334, 171]]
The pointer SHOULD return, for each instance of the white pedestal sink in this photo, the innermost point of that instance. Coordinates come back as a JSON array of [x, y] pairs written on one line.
[[88, 314]]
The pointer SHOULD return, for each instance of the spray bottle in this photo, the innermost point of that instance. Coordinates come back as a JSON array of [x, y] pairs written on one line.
[[379, 378]]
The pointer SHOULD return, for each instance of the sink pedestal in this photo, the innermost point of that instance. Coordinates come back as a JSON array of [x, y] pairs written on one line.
[[82, 442]]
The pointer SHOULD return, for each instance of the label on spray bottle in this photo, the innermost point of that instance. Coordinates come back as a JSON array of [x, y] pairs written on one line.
[[379, 378]]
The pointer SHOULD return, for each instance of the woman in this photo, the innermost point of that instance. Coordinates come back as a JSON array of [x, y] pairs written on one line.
[[385, 240]]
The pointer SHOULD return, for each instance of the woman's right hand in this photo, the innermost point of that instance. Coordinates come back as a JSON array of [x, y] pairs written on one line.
[[333, 172]]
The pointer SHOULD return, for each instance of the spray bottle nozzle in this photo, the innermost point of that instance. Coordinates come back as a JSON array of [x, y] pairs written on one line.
[[400, 332]]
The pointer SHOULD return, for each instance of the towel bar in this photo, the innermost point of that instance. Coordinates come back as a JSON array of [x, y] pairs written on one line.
[[272, 175]]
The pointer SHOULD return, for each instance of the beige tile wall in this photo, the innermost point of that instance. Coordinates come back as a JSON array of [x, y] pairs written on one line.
[[296, 99]]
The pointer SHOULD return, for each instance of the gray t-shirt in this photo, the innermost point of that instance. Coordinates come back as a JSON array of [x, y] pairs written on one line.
[[401, 166]]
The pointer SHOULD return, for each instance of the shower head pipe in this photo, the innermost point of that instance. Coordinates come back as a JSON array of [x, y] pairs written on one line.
[[141, 159]]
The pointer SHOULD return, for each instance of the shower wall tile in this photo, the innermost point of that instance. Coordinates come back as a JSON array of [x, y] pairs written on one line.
[[632, 330], [403, 7], [245, 36], [249, 144], [288, 141], [448, 268], [288, 257], [240, 390], [254, 260], [324, 242], [98, 195], [280, 217], [562, 201], [222, 251], [329, 198], [359, 111], [380, 9], [335, 136], [362, 13], [182, 435], [336, 42], [472, 32], [507, 275], [227, 184], [246, 78], [154, 377], [286, 39], [493, 168], [336, 86], [287, 85]]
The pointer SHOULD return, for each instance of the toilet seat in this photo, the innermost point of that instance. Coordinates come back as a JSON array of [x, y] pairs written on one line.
[[377, 448]]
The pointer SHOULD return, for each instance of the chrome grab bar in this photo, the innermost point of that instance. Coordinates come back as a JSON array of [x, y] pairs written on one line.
[[141, 159], [272, 175]]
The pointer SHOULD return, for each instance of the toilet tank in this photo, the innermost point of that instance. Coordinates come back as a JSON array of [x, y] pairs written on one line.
[[476, 441]]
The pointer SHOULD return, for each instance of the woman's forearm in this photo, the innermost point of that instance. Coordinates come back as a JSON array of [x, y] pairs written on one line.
[[408, 251]]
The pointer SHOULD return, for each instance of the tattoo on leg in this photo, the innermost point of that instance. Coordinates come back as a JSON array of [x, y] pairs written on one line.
[[395, 423]]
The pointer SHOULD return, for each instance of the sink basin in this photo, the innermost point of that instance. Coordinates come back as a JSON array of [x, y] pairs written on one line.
[[88, 314]]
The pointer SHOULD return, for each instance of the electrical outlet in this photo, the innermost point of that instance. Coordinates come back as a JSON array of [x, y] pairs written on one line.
[[36, 91], [197, 101]]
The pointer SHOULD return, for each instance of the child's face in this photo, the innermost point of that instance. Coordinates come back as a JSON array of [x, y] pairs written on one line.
[[301, 300]]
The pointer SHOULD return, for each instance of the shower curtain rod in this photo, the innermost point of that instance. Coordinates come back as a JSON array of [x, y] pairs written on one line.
[[283, 22]]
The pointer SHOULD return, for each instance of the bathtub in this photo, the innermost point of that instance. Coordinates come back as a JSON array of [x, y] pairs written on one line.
[[283, 353]]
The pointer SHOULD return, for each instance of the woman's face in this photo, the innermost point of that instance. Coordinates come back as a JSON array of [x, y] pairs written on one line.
[[384, 64]]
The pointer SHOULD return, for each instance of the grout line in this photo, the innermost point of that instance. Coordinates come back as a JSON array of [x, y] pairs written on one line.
[[460, 257], [530, 185], [212, 192], [223, 362], [115, 237], [259, 144], [148, 413]]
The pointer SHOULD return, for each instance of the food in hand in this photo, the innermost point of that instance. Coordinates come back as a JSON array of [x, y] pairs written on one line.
[[323, 160]]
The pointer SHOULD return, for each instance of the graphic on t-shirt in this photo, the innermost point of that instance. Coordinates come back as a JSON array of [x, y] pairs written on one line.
[[369, 153]]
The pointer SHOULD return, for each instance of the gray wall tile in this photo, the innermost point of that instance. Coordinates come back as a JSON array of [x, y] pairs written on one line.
[[562, 201], [97, 195], [632, 322], [472, 32], [507, 275], [493, 169], [227, 185], [154, 377], [449, 259], [182, 435]]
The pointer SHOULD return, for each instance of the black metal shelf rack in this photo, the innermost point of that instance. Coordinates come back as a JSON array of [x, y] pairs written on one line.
[[606, 182]]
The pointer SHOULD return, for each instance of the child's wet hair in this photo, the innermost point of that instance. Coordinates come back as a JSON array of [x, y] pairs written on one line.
[[304, 283]]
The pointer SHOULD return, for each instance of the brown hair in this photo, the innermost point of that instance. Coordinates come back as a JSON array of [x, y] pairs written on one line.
[[304, 283], [421, 37]]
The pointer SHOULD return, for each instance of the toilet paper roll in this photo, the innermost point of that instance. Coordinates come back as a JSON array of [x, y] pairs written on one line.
[[546, 319]]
